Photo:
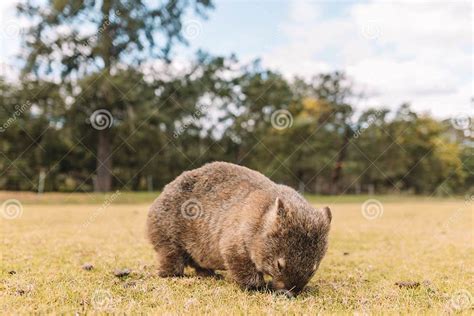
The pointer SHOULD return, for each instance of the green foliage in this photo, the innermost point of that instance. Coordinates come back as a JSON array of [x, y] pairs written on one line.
[[162, 127]]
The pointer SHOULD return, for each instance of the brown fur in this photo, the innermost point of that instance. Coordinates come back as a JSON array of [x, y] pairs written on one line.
[[227, 217]]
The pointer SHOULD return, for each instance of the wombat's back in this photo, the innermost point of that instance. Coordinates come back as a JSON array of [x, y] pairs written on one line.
[[220, 177]]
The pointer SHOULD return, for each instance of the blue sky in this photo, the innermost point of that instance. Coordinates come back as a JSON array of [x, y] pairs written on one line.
[[243, 27], [407, 50], [249, 28]]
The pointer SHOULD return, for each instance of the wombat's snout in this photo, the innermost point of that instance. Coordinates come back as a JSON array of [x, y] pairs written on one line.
[[280, 289]]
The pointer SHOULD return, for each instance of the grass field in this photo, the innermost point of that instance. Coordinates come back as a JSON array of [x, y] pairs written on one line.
[[426, 244]]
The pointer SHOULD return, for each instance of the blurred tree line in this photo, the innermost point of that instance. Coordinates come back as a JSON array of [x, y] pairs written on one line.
[[115, 121]]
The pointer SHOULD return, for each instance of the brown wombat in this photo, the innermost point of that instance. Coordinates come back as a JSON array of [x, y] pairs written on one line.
[[227, 217]]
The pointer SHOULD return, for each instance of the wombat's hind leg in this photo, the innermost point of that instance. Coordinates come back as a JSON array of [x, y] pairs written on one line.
[[171, 261], [203, 272]]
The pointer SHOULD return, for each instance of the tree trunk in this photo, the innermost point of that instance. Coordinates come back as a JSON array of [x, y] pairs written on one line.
[[337, 172], [104, 159], [104, 163]]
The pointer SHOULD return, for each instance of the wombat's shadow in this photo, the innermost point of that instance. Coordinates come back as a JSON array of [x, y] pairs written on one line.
[[309, 290]]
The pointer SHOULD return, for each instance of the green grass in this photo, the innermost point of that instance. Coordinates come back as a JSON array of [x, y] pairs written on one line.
[[429, 241], [125, 197], [28, 198]]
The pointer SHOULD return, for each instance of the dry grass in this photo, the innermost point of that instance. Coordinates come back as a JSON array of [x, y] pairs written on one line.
[[430, 242]]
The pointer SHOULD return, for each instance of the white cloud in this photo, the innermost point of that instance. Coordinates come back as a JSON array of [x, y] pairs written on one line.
[[10, 30], [401, 51]]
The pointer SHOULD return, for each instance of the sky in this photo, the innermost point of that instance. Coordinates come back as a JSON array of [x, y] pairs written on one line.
[[395, 51]]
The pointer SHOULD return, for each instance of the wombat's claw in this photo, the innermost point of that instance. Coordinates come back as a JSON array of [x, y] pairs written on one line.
[[218, 276], [255, 287], [250, 288], [208, 274], [165, 274]]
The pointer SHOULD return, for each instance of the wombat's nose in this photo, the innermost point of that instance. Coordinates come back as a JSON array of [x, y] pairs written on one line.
[[281, 289], [286, 293], [278, 285]]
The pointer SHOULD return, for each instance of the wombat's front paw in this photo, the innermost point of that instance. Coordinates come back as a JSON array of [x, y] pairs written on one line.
[[251, 281]]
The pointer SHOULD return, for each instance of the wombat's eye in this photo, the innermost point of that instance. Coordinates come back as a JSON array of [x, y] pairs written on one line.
[[280, 264]]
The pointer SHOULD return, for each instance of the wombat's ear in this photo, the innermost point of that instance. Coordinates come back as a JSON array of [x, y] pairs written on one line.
[[275, 213], [279, 207], [327, 214]]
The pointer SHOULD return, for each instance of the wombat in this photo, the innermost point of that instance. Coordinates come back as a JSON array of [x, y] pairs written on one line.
[[223, 216]]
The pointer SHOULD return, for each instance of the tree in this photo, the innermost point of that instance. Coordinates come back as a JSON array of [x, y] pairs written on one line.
[[124, 34], [321, 132], [337, 90], [407, 152], [260, 93]]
